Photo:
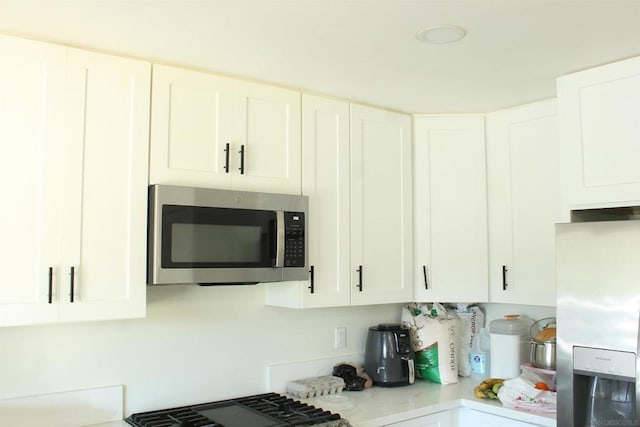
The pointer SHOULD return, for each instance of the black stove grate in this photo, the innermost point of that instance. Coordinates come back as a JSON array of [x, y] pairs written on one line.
[[177, 417], [268, 410]]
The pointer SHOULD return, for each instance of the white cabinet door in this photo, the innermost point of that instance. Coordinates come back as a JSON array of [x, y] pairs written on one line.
[[76, 125], [266, 134], [440, 419], [325, 179], [216, 132], [32, 81], [450, 209], [599, 131], [472, 418], [190, 129], [381, 207], [378, 211], [104, 222], [524, 203]]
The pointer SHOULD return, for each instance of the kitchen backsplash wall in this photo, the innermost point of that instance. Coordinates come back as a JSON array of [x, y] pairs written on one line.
[[196, 344]]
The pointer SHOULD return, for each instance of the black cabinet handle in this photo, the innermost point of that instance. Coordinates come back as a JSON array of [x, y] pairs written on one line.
[[50, 285], [426, 281], [359, 278], [504, 278], [72, 275], [226, 158], [241, 159], [311, 278]]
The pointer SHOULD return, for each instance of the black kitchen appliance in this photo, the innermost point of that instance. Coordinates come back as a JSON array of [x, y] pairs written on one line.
[[389, 358], [262, 410]]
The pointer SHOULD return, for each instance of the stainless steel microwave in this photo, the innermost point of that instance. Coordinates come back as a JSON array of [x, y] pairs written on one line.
[[209, 236]]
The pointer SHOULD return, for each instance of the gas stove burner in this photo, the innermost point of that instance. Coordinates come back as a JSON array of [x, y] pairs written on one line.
[[263, 410]]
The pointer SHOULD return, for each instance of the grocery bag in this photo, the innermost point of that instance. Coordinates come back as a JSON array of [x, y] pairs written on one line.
[[434, 342]]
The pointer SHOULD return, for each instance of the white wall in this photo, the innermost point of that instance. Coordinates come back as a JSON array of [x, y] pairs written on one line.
[[196, 344]]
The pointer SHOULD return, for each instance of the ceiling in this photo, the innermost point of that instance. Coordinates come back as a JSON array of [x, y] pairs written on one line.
[[363, 50]]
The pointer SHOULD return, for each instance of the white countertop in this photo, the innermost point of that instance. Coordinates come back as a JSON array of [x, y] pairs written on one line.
[[378, 406]]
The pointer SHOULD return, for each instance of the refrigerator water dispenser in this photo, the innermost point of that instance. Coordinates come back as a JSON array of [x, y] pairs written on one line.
[[604, 386]]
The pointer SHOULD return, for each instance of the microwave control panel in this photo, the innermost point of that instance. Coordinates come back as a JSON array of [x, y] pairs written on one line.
[[294, 237]]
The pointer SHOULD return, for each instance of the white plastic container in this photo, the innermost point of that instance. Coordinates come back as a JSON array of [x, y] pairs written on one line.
[[479, 356], [509, 350]]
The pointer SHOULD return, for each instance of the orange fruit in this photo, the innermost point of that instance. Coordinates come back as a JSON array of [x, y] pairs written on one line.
[[540, 385]]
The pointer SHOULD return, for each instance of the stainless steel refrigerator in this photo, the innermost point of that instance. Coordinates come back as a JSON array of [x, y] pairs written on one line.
[[598, 280]]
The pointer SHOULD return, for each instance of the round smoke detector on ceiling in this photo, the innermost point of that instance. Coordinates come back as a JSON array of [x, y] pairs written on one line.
[[441, 34]]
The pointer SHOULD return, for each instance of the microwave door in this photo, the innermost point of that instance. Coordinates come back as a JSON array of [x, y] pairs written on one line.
[[210, 245]]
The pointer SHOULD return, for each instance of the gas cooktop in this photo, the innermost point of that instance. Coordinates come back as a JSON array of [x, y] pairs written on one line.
[[263, 410]]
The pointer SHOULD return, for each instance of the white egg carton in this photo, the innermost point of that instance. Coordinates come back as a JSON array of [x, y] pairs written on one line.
[[316, 386]]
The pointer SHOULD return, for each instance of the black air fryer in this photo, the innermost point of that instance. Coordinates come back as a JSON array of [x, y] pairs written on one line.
[[388, 357]]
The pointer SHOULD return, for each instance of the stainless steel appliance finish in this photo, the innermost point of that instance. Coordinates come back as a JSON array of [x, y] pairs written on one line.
[[389, 358], [542, 354], [598, 281], [210, 236]]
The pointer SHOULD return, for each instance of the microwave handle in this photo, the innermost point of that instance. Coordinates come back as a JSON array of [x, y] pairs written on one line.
[[279, 239]]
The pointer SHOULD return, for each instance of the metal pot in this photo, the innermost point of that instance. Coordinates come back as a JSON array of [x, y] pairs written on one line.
[[542, 354]]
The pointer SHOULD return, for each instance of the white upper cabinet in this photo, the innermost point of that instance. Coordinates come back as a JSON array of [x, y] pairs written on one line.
[[76, 125], [381, 206], [212, 131], [325, 179], [600, 135], [359, 188], [266, 126], [190, 128], [523, 170], [450, 201], [32, 79], [105, 217]]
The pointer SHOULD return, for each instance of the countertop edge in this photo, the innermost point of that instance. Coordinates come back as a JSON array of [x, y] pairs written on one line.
[[480, 406], [514, 414], [414, 413]]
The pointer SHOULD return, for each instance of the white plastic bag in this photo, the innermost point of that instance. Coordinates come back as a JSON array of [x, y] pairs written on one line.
[[471, 322], [521, 394]]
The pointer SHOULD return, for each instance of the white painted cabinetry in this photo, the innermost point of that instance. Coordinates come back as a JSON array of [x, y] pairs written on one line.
[[450, 197], [212, 131], [76, 125], [440, 419], [190, 127], [381, 206], [32, 77], [598, 117], [359, 183], [523, 173], [325, 179], [472, 418]]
